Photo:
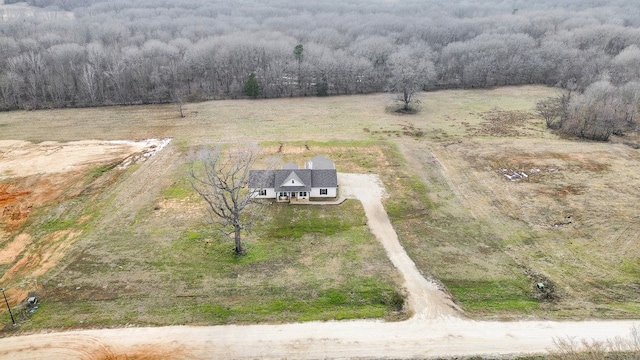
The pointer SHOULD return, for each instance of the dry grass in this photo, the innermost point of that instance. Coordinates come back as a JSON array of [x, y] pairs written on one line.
[[152, 257], [533, 209], [461, 218], [291, 119]]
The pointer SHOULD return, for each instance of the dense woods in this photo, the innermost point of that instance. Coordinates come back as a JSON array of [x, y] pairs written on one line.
[[61, 53]]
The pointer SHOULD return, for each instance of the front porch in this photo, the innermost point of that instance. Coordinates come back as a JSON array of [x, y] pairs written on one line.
[[293, 196]]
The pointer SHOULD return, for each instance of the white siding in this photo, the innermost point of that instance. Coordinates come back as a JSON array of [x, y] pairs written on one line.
[[331, 192], [271, 194]]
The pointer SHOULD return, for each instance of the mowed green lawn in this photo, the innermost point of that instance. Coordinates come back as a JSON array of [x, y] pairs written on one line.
[[486, 240]]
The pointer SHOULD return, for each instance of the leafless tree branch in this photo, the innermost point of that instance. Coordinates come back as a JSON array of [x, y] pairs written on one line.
[[221, 177]]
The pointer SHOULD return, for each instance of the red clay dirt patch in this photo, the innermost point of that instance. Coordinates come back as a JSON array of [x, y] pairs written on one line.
[[11, 251], [13, 210], [7, 197], [38, 175], [143, 352], [37, 263]]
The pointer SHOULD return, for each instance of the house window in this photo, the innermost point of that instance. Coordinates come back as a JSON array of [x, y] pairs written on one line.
[[323, 191], [303, 193], [262, 193], [283, 194], [293, 181]]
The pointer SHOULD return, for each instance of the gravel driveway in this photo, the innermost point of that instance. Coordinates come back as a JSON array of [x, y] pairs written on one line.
[[425, 299], [437, 329]]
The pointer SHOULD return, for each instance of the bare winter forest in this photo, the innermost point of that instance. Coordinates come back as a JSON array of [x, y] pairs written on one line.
[[76, 53]]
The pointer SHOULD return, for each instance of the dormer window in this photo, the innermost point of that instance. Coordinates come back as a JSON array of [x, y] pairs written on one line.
[[293, 181]]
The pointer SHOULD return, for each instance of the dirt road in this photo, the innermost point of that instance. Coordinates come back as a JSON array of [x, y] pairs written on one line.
[[418, 338], [436, 330]]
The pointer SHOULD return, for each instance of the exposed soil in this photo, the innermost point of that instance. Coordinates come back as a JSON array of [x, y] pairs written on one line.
[[425, 299], [33, 176], [435, 331]]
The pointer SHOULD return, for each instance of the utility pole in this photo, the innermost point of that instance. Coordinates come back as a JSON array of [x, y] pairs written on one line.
[[7, 302]]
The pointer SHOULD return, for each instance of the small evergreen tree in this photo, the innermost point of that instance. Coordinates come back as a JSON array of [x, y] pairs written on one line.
[[252, 87], [298, 52]]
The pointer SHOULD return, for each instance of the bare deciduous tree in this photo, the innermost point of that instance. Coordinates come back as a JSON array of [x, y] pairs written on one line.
[[410, 73], [601, 111], [132, 52], [221, 177], [550, 110]]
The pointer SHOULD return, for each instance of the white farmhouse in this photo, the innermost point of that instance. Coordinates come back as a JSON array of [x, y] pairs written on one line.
[[318, 179]]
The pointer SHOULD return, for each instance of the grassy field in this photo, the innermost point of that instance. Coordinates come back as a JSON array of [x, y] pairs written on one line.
[[148, 256], [159, 274], [157, 259], [348, 118]]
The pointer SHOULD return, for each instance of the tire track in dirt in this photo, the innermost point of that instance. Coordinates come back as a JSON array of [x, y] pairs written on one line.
[[141, 187], [85, 346], [129, 197]]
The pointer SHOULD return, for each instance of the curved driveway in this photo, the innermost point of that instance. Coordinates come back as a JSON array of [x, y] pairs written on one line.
[[425, 299], [435, 331]]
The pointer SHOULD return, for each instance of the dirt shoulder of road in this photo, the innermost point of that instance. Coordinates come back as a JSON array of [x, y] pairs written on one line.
[[435, 331]]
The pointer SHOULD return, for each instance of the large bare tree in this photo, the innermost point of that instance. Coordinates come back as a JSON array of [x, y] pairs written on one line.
[[411, 72], [221, 176]]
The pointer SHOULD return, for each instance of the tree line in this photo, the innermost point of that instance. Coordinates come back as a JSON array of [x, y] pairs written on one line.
[[601, 110], [144, 51]]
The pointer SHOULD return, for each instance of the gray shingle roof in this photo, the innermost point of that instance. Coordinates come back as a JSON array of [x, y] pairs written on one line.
[[320, 163], [261, 179], [324, 178], [323, 175], [303, 175], [293, 177]]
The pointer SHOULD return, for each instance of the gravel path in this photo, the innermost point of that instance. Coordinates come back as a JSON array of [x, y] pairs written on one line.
[[425, 299], [435, 331]]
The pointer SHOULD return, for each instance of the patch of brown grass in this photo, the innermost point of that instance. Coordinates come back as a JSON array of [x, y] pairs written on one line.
[[277, 120], [563, 190], [572, 217], [501, 123]]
